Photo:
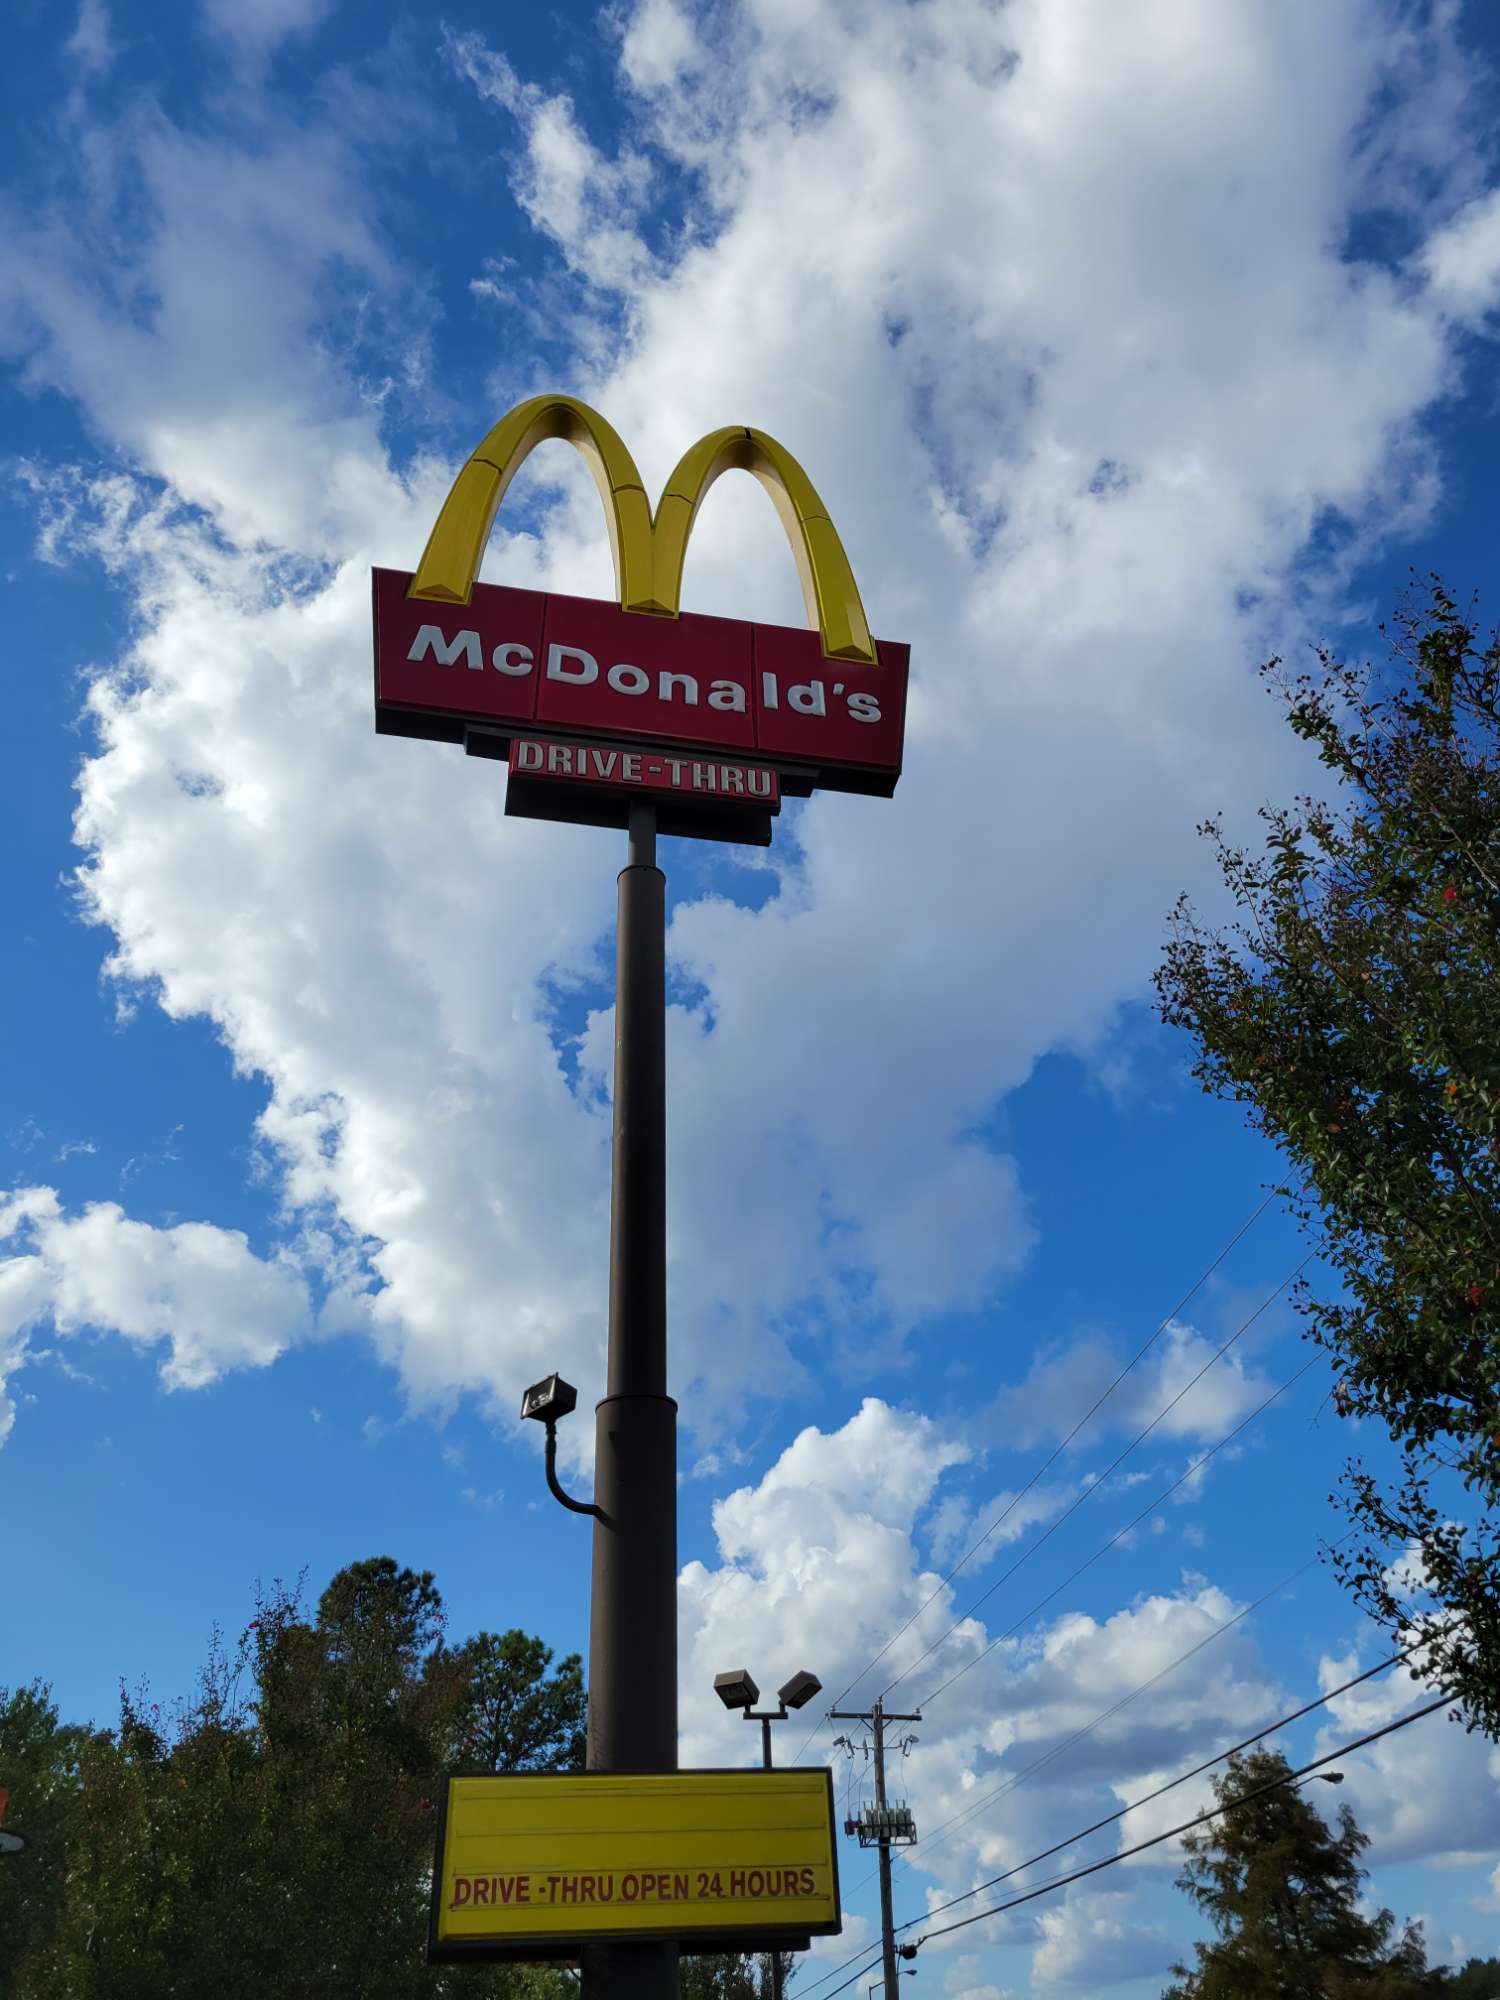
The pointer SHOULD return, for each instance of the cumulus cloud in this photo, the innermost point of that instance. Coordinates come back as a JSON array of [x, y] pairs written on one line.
[[1056, 312], [1463, 260], [1091, 1941], [1180, 1384], [826, 1555], [1427, 1793], [196, 1289]]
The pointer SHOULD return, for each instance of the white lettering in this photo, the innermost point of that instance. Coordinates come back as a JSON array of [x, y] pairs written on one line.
[[639, 682], [560, 759], [864, 708], [430, 639], [703, 778], [728, 695], [630, 768], [731, 778], [807, 699], [604, 763], [768, 697], [587, 669], [665, 683], [674, 765], [759, 784], [529, 755], [513, 658]]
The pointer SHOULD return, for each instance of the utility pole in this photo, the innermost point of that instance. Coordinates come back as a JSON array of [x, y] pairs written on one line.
[[886, 1825], [632, 1719]]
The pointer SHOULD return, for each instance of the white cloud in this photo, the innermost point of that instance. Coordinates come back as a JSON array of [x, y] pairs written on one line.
[[1463, 260], [198, 1289], [1090, 1940], [90, 41], [821, 1561], [1050, 306], [567, 188], [659, 45], [1431, 1792], [256, 26], [1064, 1382]]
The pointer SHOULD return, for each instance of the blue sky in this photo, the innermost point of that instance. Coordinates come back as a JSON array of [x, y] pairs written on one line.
[[1125, 353]]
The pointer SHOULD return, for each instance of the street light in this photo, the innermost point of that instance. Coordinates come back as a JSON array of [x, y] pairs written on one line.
[[737, 1689], [545, 1402]]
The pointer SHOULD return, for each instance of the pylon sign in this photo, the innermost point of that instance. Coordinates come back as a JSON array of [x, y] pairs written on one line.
[[591, 704], [533, 1867]]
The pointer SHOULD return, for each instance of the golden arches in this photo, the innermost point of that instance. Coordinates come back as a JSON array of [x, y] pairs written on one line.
[[649, 550]]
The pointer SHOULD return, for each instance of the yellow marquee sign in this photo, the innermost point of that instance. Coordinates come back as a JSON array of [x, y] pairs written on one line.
[[535, 1867]]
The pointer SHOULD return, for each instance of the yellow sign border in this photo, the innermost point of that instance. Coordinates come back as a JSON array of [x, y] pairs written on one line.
[[551, 1945]]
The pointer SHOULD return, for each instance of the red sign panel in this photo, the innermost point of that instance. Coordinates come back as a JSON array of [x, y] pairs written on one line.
[[711, 779], [522, 658]]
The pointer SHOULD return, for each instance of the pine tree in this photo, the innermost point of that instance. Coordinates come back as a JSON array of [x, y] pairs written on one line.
[[1281, 1890]]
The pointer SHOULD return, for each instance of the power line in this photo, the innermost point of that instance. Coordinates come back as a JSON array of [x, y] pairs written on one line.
[[1042, 1470], [1098, 1483], [1282, 1722], [1125, 1853], [1016, 1778], [948, 1826], [1019, 1777], [1121, 1533], [1109, 1861]]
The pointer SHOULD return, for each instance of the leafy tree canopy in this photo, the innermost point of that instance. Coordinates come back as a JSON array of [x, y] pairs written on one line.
[[1353, 1009], [274, 1833]]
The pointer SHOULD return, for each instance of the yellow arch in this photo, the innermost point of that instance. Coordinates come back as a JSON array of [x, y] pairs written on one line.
[[648, 550], [828, 587]]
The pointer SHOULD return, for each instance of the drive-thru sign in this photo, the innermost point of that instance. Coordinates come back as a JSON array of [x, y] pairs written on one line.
[[534, 1867]]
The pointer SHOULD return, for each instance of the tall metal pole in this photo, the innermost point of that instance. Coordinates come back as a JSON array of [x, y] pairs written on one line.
[[887, 1910], [632, 1716]]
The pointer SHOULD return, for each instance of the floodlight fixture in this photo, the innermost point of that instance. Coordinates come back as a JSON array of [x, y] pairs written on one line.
[[799, 1690], [737, 1689], [548, 1400], [1332, 1777]]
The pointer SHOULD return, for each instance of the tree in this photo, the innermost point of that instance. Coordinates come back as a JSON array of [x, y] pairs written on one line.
[[1353, 1008], [40, 1759], [729, 1975], [515, 1717], [274, 1834], [1281, 1891], [1479, 1980]]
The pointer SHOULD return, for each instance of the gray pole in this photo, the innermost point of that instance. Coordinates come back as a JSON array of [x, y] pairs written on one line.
[[632, 1717], [887, 1911]]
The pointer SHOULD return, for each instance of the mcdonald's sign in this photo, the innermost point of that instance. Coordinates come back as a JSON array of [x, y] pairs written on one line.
[[588, 702]]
